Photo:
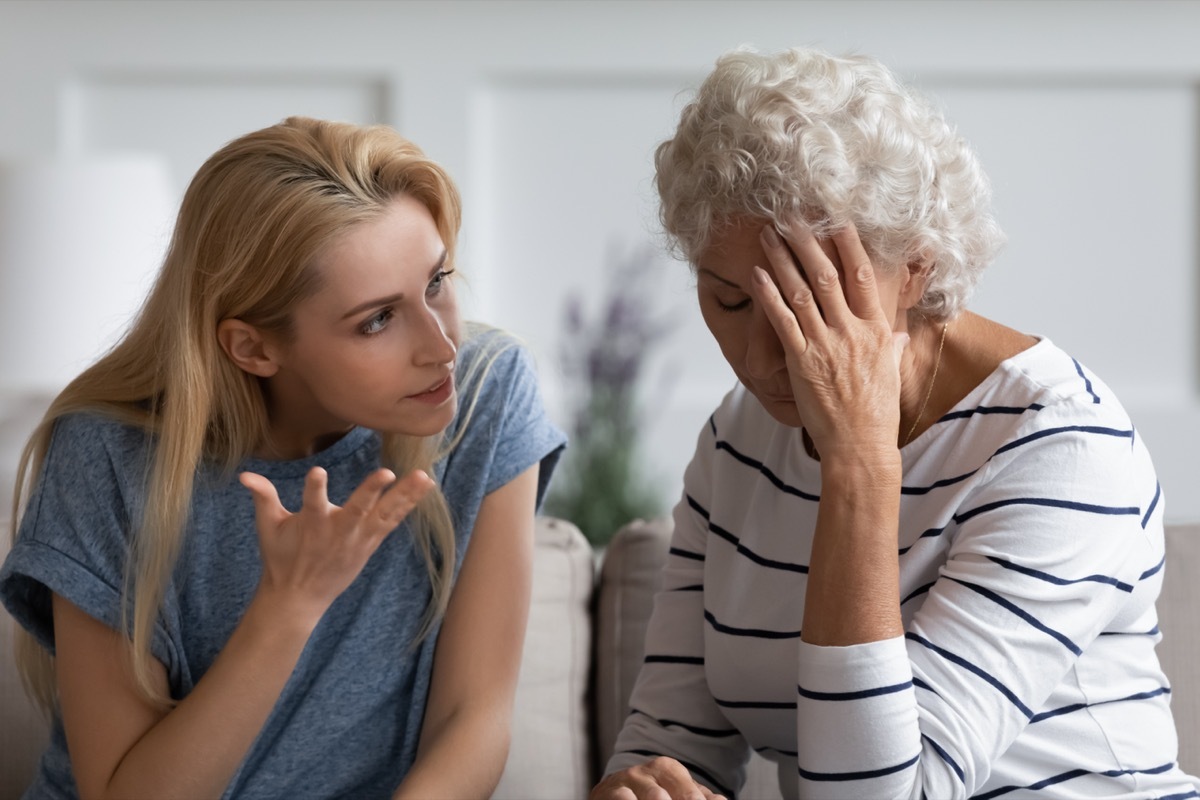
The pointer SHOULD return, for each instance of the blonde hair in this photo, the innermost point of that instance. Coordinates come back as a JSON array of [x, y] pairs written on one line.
[[252, 222], [831, 140]]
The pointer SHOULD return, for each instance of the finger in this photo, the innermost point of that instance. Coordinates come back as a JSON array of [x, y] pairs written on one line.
[[783, 319], [674, 778], [793, 285], [899, 343], [401, 498], [862, 291], [821, 274], [363, 499], [316, 483], [266, 499]]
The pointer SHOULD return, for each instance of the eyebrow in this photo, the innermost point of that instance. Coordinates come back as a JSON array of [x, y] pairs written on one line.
[[394, 298], [716, 277]]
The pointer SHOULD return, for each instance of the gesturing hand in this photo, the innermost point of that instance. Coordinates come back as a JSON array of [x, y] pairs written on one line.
[[842, 356], [310, 556]]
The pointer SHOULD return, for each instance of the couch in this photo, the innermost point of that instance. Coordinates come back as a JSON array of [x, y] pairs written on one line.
[[584, 647]]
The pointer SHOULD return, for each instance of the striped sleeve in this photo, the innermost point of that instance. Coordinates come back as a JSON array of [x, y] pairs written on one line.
[[1046, 550], [673, 712]]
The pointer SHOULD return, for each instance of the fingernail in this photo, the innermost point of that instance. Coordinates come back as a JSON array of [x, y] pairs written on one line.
[[770, 236], [760, 275]]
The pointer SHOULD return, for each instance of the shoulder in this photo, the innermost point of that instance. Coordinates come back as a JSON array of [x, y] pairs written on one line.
[[491, 361], [92, 443]]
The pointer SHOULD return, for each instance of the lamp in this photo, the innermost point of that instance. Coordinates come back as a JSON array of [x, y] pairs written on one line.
[[81, 238]]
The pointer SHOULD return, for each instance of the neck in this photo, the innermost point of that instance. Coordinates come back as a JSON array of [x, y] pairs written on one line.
[[919, 376]]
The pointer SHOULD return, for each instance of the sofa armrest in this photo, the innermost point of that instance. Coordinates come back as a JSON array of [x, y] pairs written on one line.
[[630, 576], [1179, 651], [549, 757]]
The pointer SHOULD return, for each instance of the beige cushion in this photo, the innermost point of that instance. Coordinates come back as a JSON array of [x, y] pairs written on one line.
[[550, 754], [1179, 651], [629, 578]]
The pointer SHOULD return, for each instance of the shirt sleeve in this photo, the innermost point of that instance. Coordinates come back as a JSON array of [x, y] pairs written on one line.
[[74, 535], [503, 427], [1046, 551], [672, 710]]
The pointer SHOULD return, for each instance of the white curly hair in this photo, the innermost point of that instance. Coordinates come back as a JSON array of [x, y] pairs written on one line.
[[831, 140]]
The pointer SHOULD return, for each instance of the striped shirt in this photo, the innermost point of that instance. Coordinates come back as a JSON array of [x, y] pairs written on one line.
[[1031, 554]]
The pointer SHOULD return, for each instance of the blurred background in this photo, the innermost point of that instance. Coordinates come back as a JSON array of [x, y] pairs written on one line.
[[546, 113]]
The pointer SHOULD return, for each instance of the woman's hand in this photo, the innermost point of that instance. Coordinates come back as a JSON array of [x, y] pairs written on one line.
[[842, 356], [311, 556], [659, 778]]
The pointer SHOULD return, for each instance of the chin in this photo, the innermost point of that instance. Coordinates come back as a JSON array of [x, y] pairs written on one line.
[[782, 411]]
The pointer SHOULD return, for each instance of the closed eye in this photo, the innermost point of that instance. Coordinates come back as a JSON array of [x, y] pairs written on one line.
[[735, 307]]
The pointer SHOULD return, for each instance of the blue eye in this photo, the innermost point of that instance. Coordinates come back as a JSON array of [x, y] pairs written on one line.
[[436, 283], [377, 323]]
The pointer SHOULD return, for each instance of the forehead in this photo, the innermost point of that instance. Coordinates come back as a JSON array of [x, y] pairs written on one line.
[[735, 247]]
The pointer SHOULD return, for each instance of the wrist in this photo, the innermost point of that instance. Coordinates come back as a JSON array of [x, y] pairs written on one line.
[[275, 612]]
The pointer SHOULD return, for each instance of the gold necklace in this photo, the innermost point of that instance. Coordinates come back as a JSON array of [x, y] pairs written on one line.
[[929, 391]]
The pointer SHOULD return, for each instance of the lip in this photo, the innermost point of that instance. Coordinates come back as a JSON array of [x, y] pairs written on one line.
[[436, 394]]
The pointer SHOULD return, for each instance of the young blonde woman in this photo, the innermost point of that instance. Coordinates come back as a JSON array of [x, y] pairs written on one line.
[[277, 542]]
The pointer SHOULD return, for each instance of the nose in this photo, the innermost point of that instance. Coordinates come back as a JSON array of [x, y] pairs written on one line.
[[433, 343], [764, 356]]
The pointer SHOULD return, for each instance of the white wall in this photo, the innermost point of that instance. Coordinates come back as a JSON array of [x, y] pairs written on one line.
[[1085, 114]]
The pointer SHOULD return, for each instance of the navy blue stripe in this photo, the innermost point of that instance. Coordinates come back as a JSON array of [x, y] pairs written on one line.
[[962, 662], [767, 473], [918, 592], [1183, 796], [918, 490], [937, 748], [757, 633], [712, 423], [859, 695], [1046, 576], [698, 660], [675, 551], [753, 556], [1022, 613], [1086, 382], [766, 705], [858, 776], [699, 509], [1153, 569], [1152, 632], [939, 484], [920, 684], [1050, 502], [929, 534], [1058, 712], [1153, 503], [712, 733], [1033, 437], [953, 415], [1075, 773], [692, 768], [699, 587]]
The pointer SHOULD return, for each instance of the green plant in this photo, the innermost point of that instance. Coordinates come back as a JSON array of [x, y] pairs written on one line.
[[601, 483]]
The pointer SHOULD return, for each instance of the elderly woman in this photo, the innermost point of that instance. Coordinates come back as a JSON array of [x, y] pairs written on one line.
[[918, 551]]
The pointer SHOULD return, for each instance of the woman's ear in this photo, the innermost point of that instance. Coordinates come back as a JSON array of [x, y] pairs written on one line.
[[247, 347], [916, 278]]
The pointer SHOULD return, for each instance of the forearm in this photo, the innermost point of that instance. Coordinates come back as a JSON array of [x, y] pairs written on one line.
[[852, 594], [462, 758], [195, 749]]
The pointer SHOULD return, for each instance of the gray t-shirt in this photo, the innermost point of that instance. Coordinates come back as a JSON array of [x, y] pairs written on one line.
[[348, 720]]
